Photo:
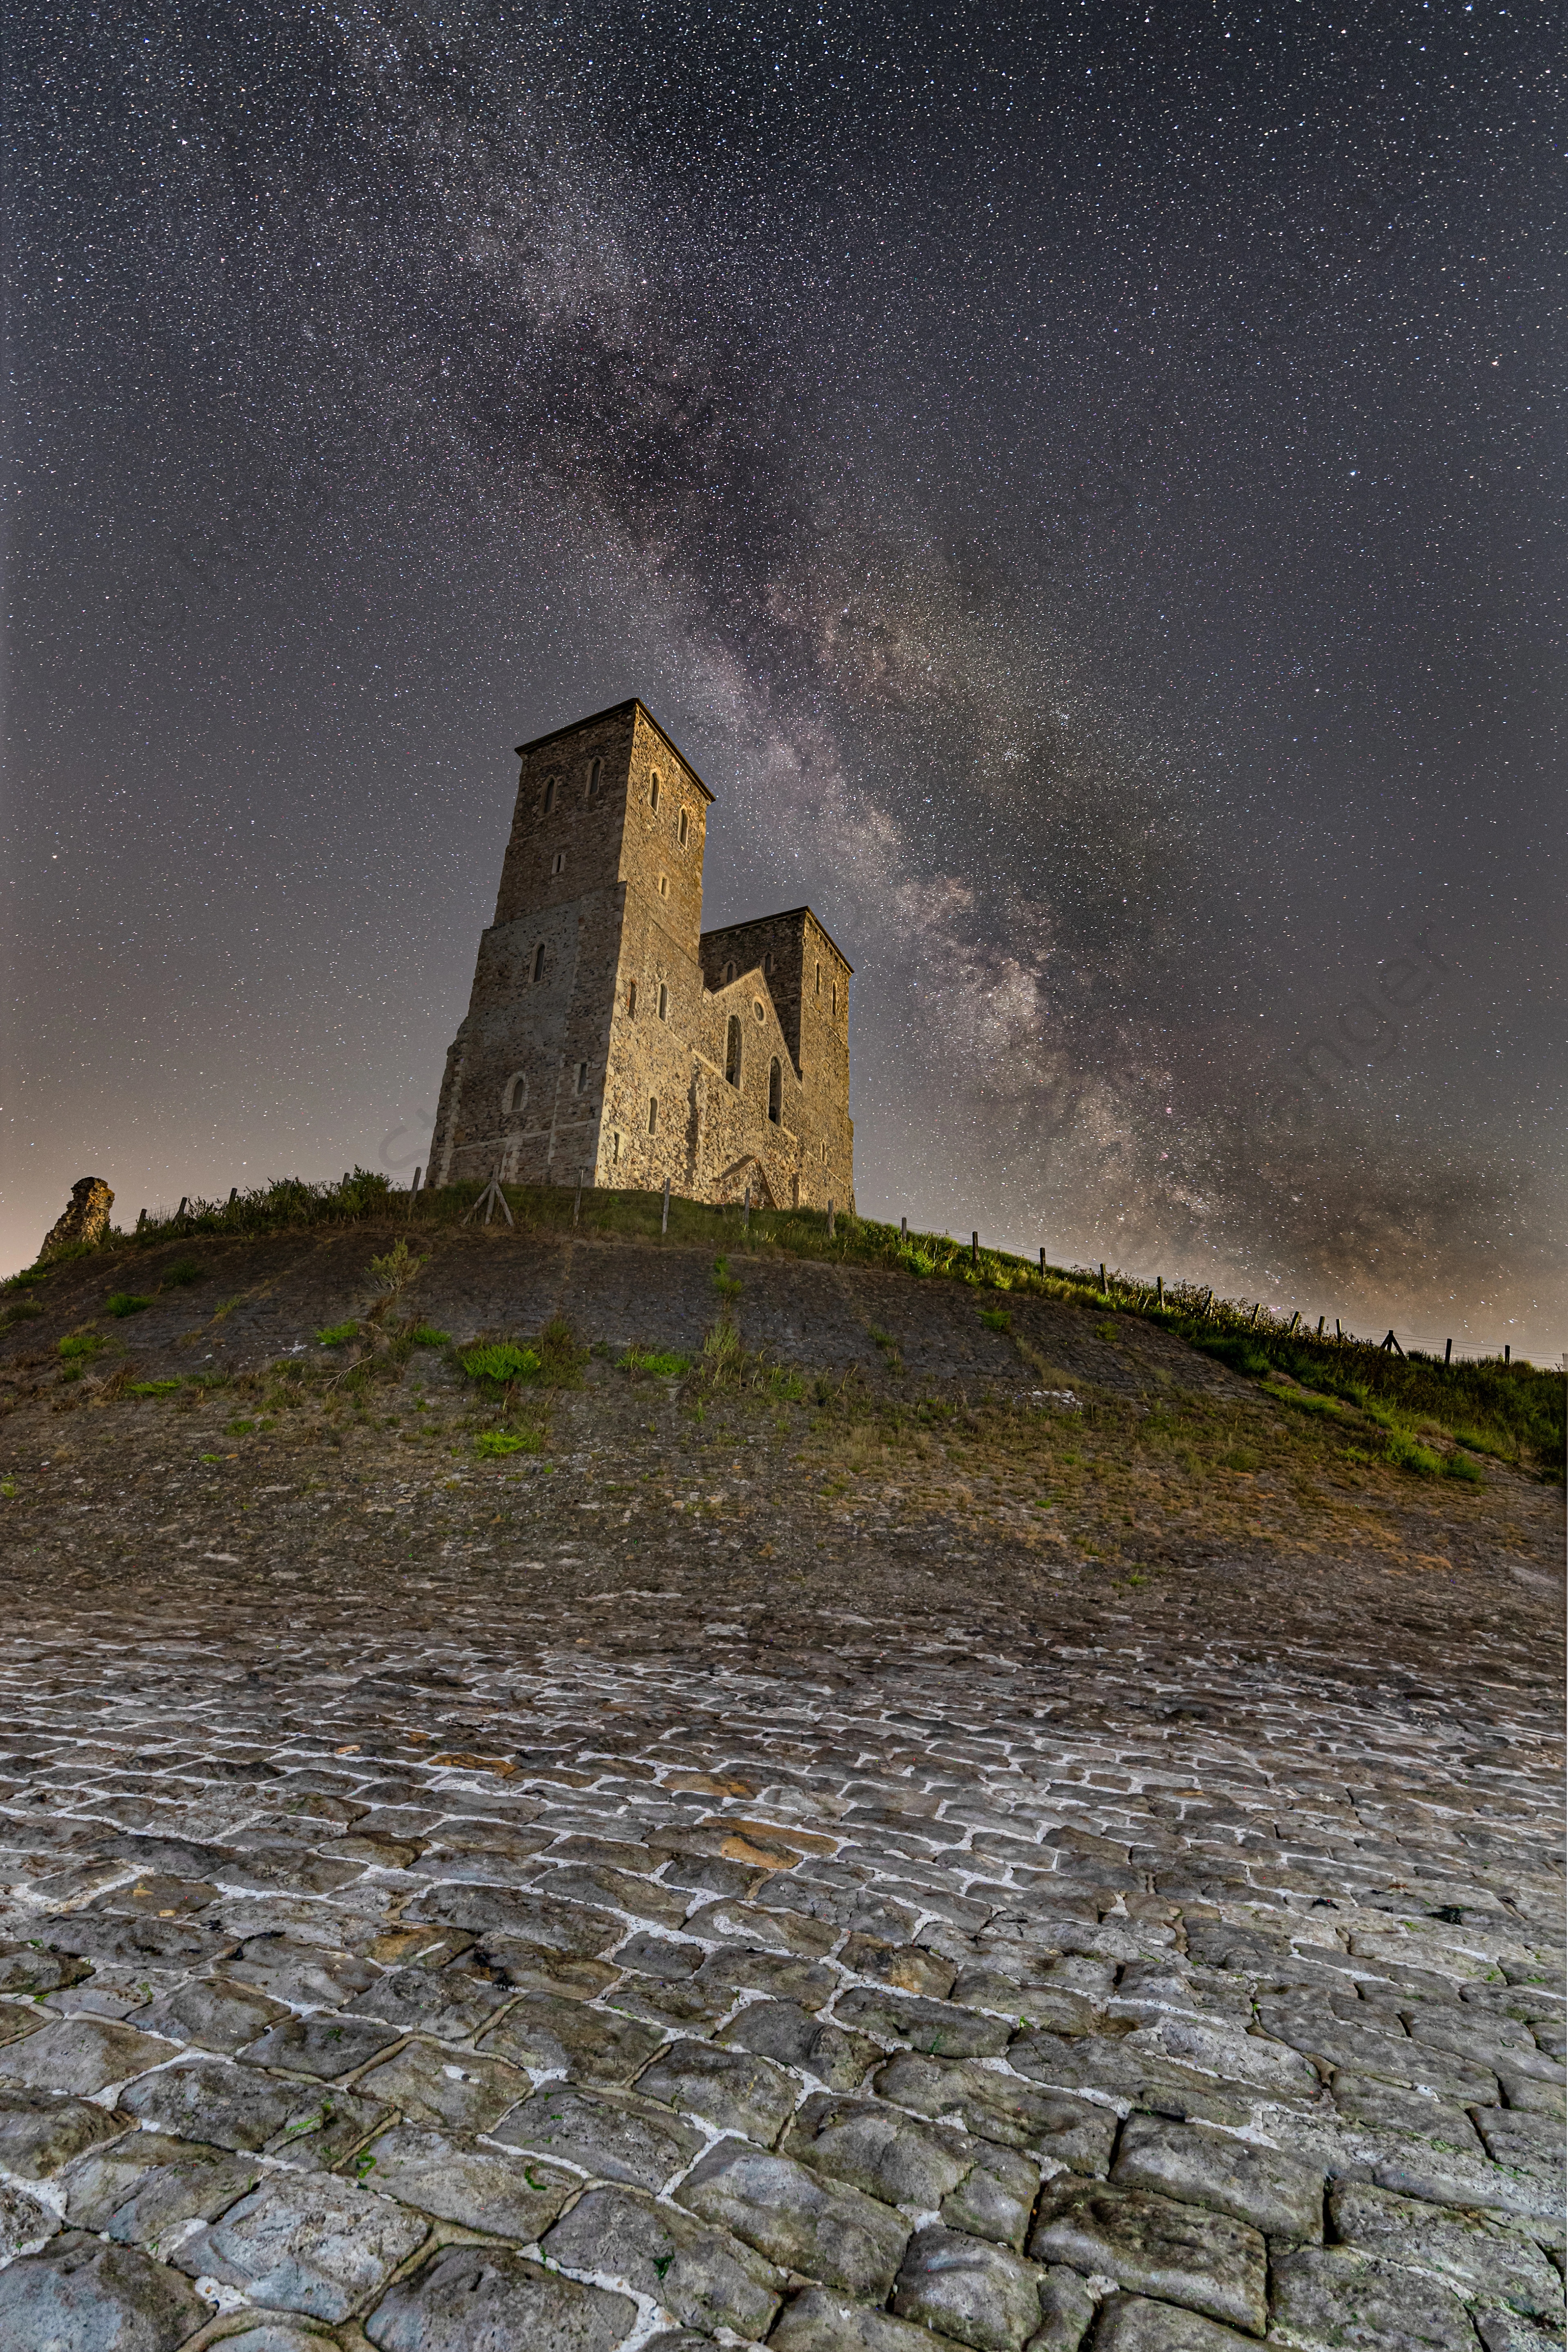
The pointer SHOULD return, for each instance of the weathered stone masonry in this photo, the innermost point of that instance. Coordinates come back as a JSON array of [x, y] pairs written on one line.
[[608, 1034]]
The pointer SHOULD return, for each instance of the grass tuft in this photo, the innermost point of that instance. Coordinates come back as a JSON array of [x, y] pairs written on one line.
[[492, 1443], [121, 1303], [499, 1360], [338, 1334], [665, 1367]]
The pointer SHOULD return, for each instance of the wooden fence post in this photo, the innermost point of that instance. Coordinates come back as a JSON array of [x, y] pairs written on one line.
[[1320, 1321], [1447, 1351], [1160, 1288], [1102, 1278], [1508, 1351], [973, 1249], [904, 1229], [1042, 1261]]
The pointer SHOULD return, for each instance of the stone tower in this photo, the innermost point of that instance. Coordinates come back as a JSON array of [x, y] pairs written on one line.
[[607, 1033]]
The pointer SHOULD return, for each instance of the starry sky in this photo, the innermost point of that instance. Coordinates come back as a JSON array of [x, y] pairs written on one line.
[[1081, 485]]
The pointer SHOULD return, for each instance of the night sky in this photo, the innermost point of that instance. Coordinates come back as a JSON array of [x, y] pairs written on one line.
[[1080, 484]]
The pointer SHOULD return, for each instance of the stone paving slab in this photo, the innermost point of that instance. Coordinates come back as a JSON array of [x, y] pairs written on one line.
[[596, 1941]]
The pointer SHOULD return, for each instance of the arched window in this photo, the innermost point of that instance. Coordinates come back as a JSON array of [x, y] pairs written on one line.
[[733, 1051], [549, 795], [663, 1002], [653, 791], [514, 1095], [729, 972], [685, 824], [775, 1091], [653, 1114], [632, 998], [593, 769], [757, 1008], [539, 960]]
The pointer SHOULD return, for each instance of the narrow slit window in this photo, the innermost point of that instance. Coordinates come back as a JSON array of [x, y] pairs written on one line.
[[819, 979], [615, 1145], [768, 965], [835, 1000], [664, 885], [558, 862], [685, 828], [653, 1114], [663, 1001], [733, 1051], [593, 771], [581, 1078], [549, 795], [514, 1095], [653, 795], [729, 974], [632, 999], [539, 960], [776, 1092]]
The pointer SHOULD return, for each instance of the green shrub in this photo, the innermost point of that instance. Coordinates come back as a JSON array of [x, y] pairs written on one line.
[[81, 1346], [996, 1319], [1460, 1465], [152, 1388], [665, 1367], [183, 1273], [337, 1335], [1236, 1350], [125, 1302], [499, 1360], [425, 1335], [493, 1442], [1409, 1453], [1304, 1400], [1498, 1447]]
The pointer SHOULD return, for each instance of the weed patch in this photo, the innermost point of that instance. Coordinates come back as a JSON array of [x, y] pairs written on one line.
[[121, 1303], [152, 1388], [666, 1366], [425, 1335], [491, 1444], [183, 1273], [338, 1334]]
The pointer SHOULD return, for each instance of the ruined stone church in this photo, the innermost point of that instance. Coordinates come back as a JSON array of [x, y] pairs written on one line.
[[608, 1034]]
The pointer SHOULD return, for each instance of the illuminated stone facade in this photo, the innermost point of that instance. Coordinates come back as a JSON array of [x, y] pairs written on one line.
[[608, 1034]]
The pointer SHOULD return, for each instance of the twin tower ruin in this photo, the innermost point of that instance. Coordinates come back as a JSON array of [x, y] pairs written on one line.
[[608, 1034]]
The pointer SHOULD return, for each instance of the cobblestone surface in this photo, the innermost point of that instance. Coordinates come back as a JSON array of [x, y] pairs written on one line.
[[445, 1907]]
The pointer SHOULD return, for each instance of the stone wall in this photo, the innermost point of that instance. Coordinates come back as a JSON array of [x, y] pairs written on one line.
[[595, 1036]]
